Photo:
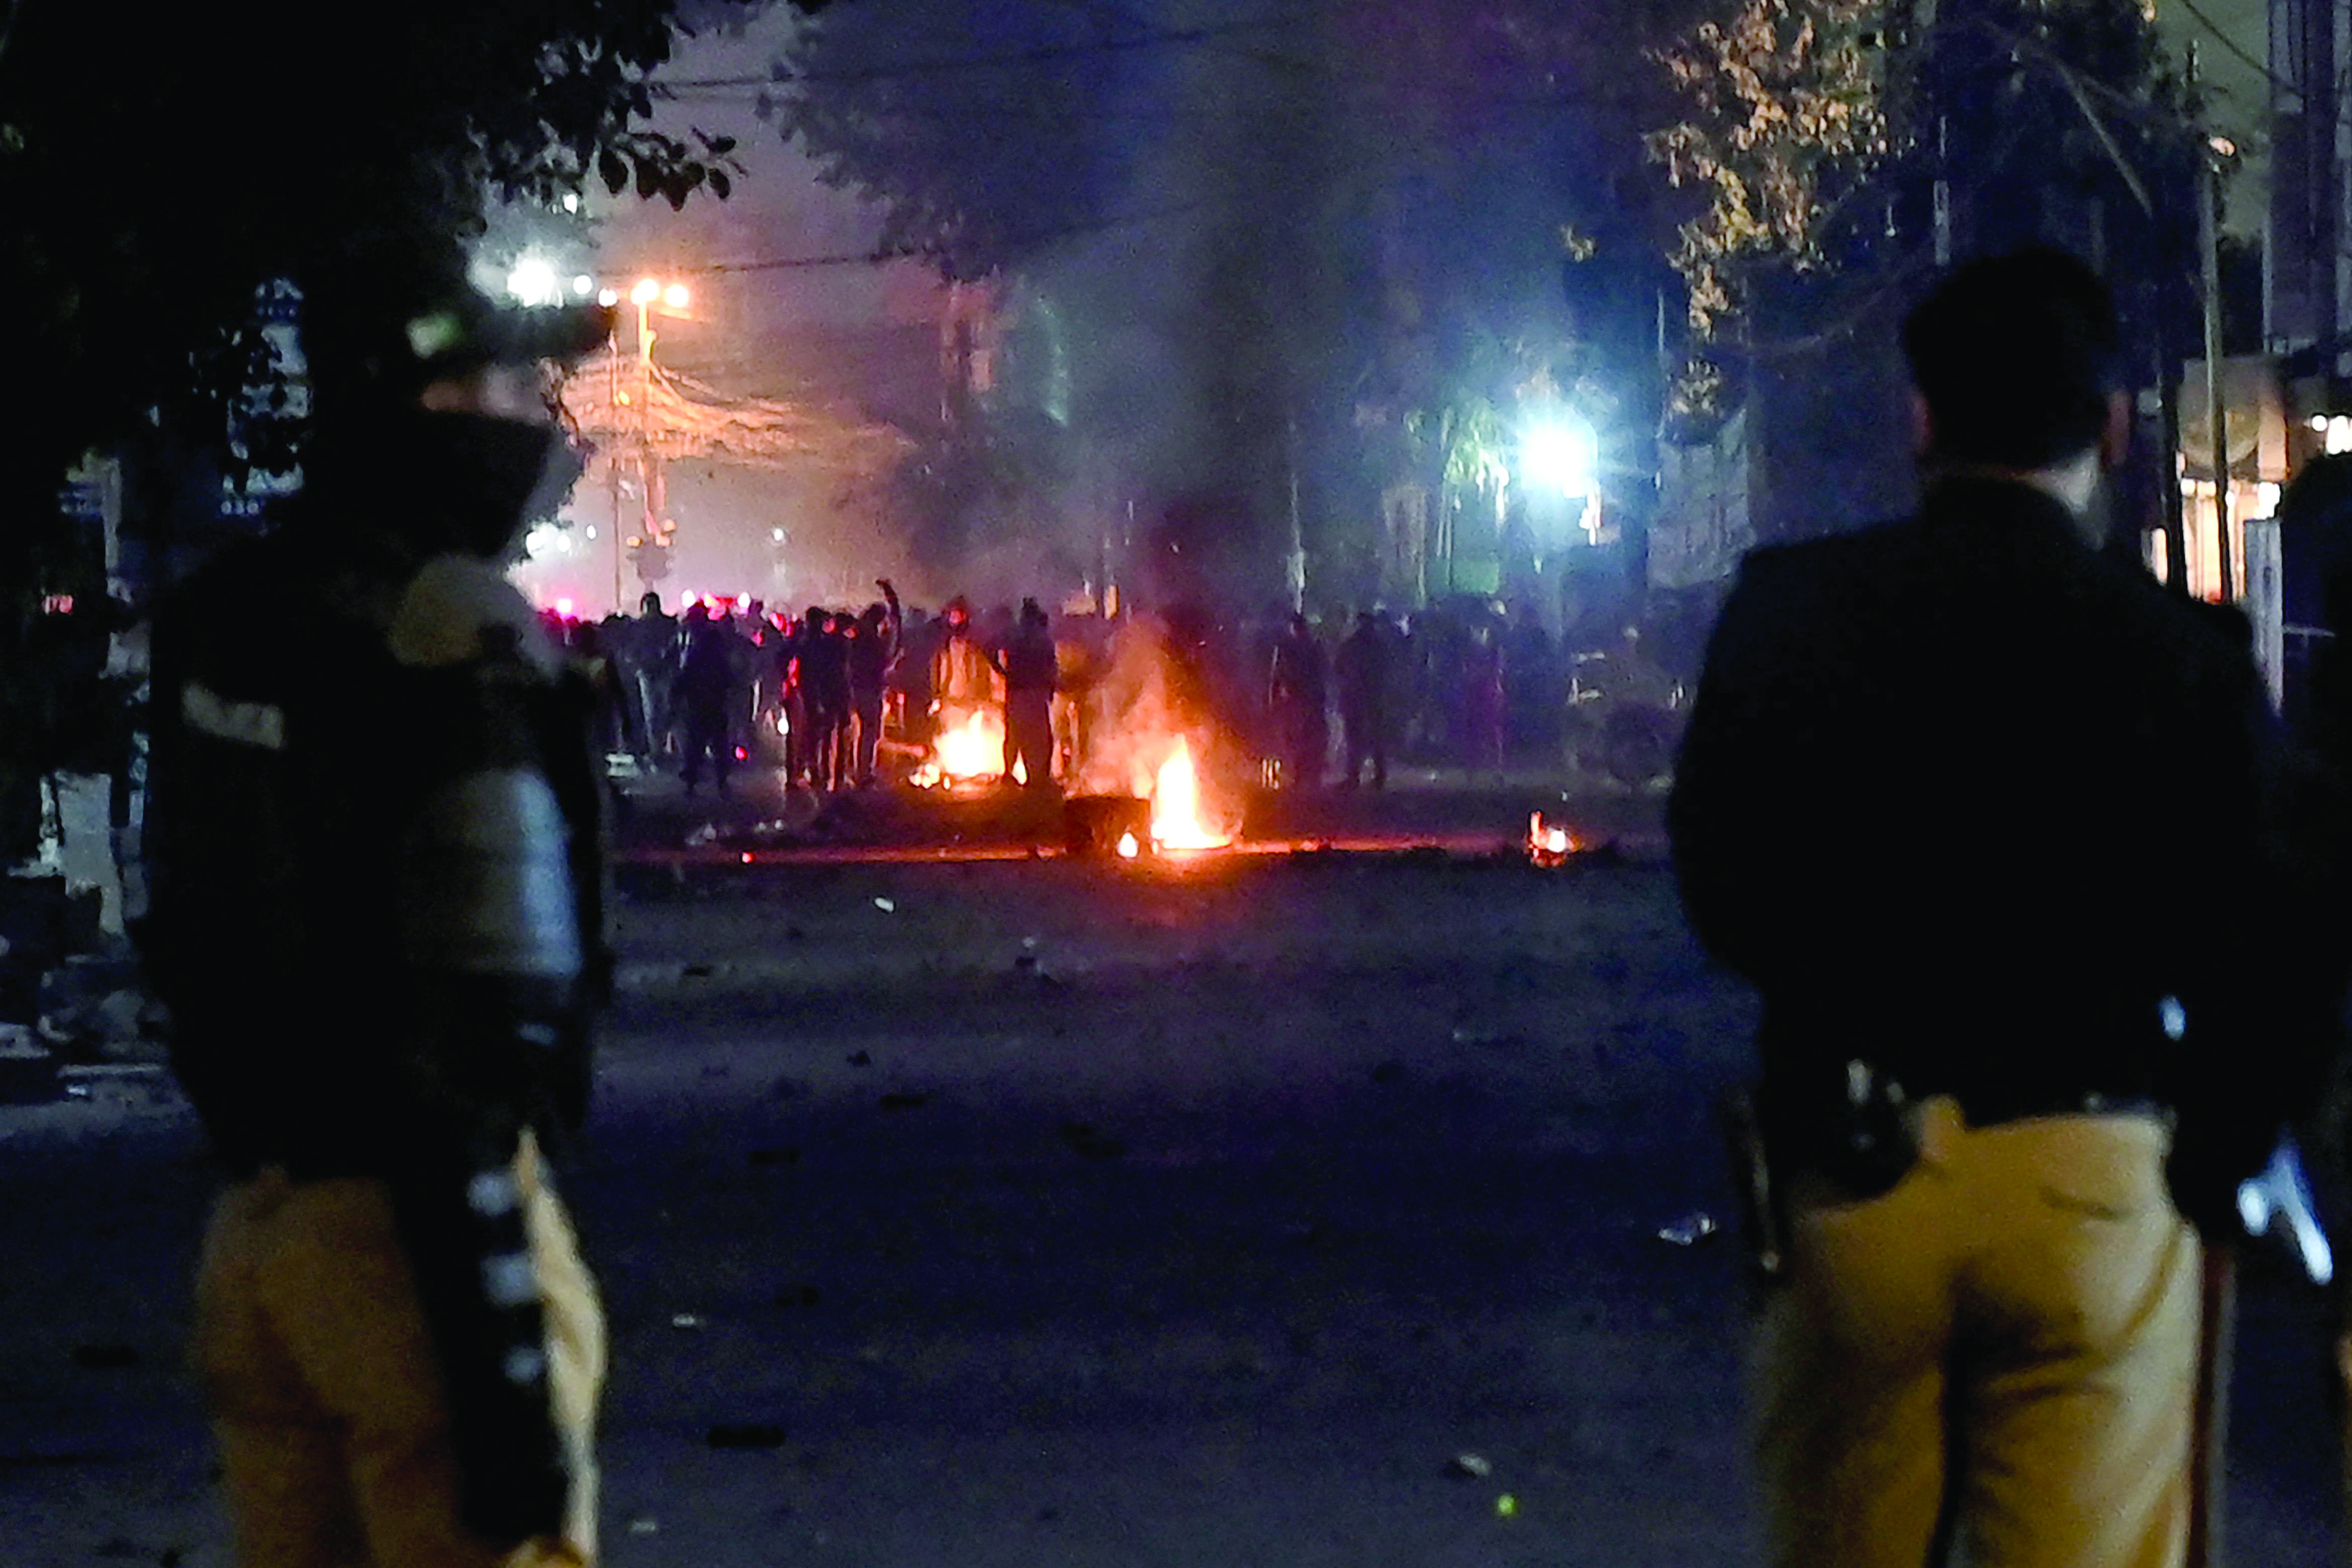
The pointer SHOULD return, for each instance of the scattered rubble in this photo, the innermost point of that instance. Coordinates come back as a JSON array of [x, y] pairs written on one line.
[[746, 1435], [1089, 1144], [1689, 1230]]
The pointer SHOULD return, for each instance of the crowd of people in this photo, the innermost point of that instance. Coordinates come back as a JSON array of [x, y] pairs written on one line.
[[829, 694], [2016, 1053]]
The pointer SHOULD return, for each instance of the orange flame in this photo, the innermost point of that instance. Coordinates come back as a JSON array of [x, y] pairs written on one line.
[[1176, 806], [970, 745]]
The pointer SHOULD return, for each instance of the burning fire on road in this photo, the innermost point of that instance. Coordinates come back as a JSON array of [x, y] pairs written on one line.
[[970, 749], [1176, 820], [1549, 844]]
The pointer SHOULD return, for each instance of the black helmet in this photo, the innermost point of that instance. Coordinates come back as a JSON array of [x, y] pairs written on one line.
[[377, 328]]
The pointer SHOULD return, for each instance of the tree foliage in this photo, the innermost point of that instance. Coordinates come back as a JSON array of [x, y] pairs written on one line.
[[159, 170], [163, 165], [982, 130], [1785, 117], [1866, 138]]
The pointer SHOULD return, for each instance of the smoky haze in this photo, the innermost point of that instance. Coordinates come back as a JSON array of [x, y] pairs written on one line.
[[1219, 257]]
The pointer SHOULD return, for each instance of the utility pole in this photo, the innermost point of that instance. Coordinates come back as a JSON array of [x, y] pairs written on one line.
[[2208, 223], [1295, 560], [613, 468]]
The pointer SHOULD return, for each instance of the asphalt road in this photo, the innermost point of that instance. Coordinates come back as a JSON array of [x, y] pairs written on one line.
[[1061, 1214]]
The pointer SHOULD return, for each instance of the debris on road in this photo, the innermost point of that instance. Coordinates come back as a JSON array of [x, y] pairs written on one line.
[[1507, 1506], [644, 1524], [706, 834], [1468, 1467], [28, 1069], [860, 1059], [1089, 1144], [886, 906], [905, 1101], [746, 1435], [685, 1321], [1689, 1230]]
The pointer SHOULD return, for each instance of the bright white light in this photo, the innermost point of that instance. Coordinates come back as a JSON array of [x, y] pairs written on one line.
[[2318, 424], [608, 297], [1559, 453], [571, 201], [2266, 500], [592, 531], [581, 284], [547, 539], [563, 608], [532, 281], [646, 292], [777, 535], [2339, 435], [675, 297]]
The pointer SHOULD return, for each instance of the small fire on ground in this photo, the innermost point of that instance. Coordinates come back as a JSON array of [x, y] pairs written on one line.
[[1549, 844], [1176, 820], [969, 750]]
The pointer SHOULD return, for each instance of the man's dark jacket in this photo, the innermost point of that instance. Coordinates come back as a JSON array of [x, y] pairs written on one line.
[[1968, 801]]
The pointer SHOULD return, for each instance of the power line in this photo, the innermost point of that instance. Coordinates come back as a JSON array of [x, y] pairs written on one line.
[[1036, 54], [2232, 47], [887, 253]]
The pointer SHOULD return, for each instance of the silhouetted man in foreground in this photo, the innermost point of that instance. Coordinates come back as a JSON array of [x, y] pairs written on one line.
[[1993, 968]]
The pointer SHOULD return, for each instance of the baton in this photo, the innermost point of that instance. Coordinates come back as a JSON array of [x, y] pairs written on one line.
[[2208, 1427]]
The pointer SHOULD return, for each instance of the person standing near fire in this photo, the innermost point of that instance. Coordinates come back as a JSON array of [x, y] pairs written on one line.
[[709, 695], [824, 690], [1031, 670], [1362, 668], [872, 652], [1297, 702], [964, 680], [2012, 1034], [377, 917]]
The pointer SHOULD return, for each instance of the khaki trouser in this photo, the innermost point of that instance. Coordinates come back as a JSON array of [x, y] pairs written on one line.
[[325, 1395], [2014, 1324]]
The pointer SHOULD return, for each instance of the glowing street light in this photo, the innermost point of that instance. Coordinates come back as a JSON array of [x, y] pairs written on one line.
[[675, 297], [532, 281], [1559, 453], [646, 291]]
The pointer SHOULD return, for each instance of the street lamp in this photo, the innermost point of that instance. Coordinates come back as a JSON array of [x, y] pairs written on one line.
[[648, 293], [1559, 453], [532, 281]]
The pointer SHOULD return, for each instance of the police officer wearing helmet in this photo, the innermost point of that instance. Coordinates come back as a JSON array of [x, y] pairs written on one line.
[[2009, 938], [377, 918]]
